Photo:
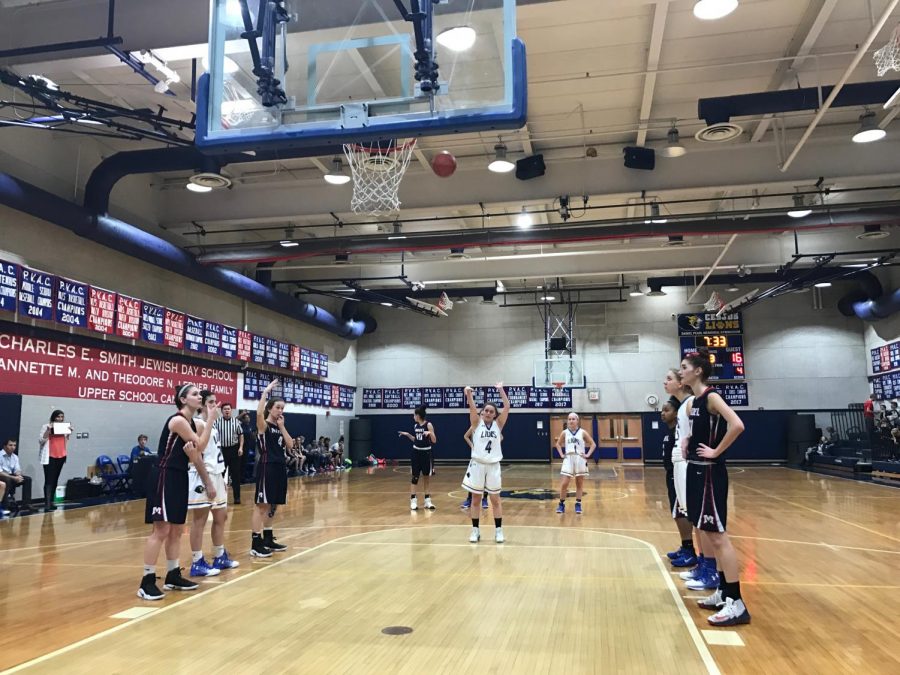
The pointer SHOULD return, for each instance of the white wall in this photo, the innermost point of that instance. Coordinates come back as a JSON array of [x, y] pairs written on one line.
[[797, 357]]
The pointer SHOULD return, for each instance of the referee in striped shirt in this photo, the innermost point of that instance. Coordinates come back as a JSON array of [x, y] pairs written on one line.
[[231, 440]]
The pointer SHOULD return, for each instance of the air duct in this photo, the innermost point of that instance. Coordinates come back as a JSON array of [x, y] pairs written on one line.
[[722, 108], [128, 239], [880, 308]]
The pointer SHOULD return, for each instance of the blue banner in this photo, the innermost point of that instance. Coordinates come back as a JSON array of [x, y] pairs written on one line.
[[193, 333], [36, 294], [9, 286], [229, 342], [212, 337], [258, 349], [71, 303], [152, 323]]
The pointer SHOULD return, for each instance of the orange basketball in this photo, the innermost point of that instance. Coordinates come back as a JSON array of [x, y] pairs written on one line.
[[443, 164]]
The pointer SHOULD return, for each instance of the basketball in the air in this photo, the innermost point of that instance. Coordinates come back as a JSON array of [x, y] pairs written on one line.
[[443, 164]]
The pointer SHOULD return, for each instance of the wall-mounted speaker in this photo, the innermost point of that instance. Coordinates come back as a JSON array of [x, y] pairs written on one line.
[[531, 167], [640, 158]]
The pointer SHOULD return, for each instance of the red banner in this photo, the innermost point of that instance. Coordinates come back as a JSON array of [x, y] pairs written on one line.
[[101, 310], [244, 345], [173, 329], [128, 323], [335, 396], [49, 368], [295, 357]]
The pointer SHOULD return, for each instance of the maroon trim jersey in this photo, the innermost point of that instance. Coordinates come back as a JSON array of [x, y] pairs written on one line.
[[270, 445], [172, 456], [706, 428]]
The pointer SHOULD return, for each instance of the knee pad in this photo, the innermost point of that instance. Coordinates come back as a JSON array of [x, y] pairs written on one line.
[[414, 480]]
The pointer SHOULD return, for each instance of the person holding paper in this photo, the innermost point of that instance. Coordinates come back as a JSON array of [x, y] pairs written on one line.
[[54, 440]]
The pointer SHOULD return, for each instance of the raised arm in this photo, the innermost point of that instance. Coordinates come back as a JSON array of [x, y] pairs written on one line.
[[717, 406], [261, 407], [473, 411], [501, 420]]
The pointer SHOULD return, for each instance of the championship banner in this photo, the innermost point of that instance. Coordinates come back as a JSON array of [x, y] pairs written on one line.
[[212, 338], [71, 302], [9, 285], [36, 295], [174, 329], [101, 310], [193, 333], [151, 323], [229, 342], [128, 321], [244, 345], [40, 367]]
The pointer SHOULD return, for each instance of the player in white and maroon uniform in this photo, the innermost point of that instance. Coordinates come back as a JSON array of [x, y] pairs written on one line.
[[578, 447], [483, 472], [200, 504], [714, 428]]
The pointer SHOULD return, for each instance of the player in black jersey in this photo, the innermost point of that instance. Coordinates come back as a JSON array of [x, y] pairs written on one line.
[[714, 427], [167, 498], [423, 438], [271, 472]]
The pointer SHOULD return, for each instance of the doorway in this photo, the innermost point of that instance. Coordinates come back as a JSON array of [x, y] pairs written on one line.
[[558, 425], [620, 437]]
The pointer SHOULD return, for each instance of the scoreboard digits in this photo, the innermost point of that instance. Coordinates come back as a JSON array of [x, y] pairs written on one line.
[[722, 336]]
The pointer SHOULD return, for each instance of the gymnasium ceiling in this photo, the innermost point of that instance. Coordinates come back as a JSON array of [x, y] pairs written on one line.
[[603, 74]]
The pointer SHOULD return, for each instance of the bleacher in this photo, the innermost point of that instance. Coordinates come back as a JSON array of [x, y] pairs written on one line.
[[855, 453]]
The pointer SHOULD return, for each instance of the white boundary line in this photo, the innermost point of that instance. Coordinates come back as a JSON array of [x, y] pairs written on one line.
[[699, 643]]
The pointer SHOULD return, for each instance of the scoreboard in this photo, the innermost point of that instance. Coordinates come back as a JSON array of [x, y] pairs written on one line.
[[722, 335]]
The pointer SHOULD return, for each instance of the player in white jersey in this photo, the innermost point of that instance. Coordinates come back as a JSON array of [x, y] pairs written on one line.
[[578, 447], [483, 472], [199, 503], [685, 556]]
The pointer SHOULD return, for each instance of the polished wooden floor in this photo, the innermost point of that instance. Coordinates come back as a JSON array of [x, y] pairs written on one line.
[[576, 594]]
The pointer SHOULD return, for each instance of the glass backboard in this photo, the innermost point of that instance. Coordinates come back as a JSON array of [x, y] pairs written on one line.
[[324, 72]]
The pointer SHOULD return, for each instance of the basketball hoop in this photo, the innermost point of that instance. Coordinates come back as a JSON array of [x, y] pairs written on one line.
[[559, 385], [378, 168], [888, 57]]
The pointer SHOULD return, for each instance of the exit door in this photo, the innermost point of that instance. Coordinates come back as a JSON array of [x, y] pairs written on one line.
[[620, 437]]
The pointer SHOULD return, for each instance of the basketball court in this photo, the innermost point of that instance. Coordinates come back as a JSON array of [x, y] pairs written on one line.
[[588, 594], [383, 203]]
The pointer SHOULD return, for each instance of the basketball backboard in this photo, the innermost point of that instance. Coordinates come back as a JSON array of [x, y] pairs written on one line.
[[317, 74], [559, 372]]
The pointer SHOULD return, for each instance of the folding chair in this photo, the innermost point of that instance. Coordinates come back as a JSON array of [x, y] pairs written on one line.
[[112, 477], [124, 462]]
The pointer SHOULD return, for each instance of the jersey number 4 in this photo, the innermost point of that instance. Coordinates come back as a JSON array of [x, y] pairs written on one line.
[[487, 448]]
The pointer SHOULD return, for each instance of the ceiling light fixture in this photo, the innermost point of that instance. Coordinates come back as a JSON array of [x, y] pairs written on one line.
[[524, 219], [869, 131], [387, 304], [709, 10], [673, 147], [800, 209], [732, 288], [823, 284], [873, 232], [337, 176], [655, 216], [636, 291], [288, 241], [655, 290], [548, 298], [200, 189], [501, 164], [458, 38]]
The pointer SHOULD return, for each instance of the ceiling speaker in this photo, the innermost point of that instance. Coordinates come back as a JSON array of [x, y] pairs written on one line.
[[640, 158], [531, 167]]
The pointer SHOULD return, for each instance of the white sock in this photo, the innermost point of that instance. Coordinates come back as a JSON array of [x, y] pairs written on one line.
[[196, 555], [149, 569], [220, 551], [171, 565]]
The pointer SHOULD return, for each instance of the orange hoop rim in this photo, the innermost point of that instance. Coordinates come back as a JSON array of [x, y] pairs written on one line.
[[373, 149], [558, 385]]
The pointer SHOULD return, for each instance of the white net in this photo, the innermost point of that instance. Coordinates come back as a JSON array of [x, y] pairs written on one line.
[[888, 57], [378, 169]]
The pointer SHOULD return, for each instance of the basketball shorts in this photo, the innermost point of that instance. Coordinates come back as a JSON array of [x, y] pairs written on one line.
[[422, 463], [271, 484], [707, 496], [167, 497], [574, 465], [670, 487], [482, 478], [679, 486], [197, 497]]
